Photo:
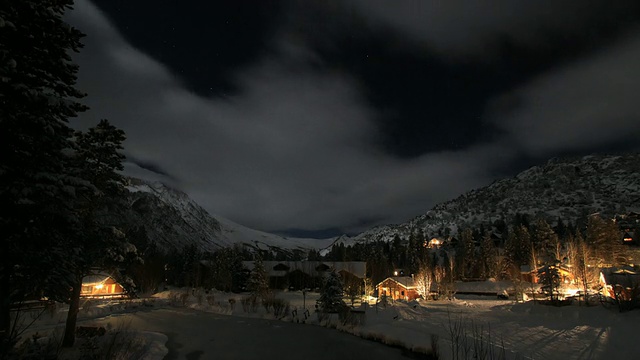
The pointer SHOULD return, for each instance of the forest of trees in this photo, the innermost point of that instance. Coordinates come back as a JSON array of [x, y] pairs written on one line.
[[498, 251]]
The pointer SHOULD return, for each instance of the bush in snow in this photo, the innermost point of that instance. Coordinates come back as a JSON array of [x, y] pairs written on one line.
[[199, 297], [249, 304], [178, 299], [278, 307], [38, 347]]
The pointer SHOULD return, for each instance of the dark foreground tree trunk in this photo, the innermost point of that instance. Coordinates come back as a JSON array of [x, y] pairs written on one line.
[[5, 312], [72, 316]]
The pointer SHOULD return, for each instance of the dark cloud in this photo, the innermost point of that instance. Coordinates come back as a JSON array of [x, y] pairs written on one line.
[[149, 166], [308, 142], [230, 35], [588, 104], [472, 30]]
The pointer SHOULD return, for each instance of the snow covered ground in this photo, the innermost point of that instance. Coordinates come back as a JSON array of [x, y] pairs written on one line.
[[517, 330]]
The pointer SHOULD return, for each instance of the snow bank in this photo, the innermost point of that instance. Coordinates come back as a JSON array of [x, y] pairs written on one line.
[[156, 344]]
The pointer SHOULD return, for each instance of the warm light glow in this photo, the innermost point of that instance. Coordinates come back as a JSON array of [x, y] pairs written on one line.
[[99, 286], [395, 273]]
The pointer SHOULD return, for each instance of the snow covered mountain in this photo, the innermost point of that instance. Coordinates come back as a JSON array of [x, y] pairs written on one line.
[[562, 188], [172, 220]]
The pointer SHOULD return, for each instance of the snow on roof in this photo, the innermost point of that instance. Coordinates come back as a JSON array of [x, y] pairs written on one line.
[[625, 276], [95, 279], [405, 281]]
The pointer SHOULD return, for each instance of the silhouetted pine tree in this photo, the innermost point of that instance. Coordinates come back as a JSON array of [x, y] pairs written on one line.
[[37, 90]]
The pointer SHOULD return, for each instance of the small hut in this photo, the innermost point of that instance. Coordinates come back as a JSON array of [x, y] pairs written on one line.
[[101, 285], [398, 288]]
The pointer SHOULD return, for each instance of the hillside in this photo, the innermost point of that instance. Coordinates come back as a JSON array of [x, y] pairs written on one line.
[[562, 188], [172, 220]]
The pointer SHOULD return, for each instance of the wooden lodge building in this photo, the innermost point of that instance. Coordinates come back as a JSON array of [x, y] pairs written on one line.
[[101, 285], [398, 288], [620, 283]]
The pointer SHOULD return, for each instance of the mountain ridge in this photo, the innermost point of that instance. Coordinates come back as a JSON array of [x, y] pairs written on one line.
[[172, 220], [565, 188], [562, 188]]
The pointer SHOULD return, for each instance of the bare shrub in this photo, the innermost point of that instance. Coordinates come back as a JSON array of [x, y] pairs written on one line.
[[249, 304], [211, 300], [174, 299], [119, 343], [267, 303], [435, 346], [88, 304], [280, 308], [51, 309], [351, 317], [39, 347], [476, 344], [184, 297]]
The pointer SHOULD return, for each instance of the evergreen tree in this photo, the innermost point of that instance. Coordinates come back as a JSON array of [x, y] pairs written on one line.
[[97, 242], [465, 254], [37, 81], [562, 230], [545, 242], [314, 255], [259, 280], [487, 256], [413, 254], [605, 239], [330, 299], [550, 279]]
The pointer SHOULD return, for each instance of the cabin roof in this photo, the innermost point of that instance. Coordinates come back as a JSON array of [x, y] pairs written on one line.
[[96, 279], [406, 282]]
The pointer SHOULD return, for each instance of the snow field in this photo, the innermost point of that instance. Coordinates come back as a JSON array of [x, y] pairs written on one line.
[[514, 330]]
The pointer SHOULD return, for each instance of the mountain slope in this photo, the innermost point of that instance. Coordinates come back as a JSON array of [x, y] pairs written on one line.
[[172, 220], [562, 188]]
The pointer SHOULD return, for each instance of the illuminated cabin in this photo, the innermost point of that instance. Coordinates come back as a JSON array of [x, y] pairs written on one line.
[[398, 288], [628, 237], [434, 243], [620, 283], [533, 275], [100, 285]]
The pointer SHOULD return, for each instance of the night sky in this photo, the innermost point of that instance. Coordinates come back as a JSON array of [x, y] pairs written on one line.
[[314, 118]]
